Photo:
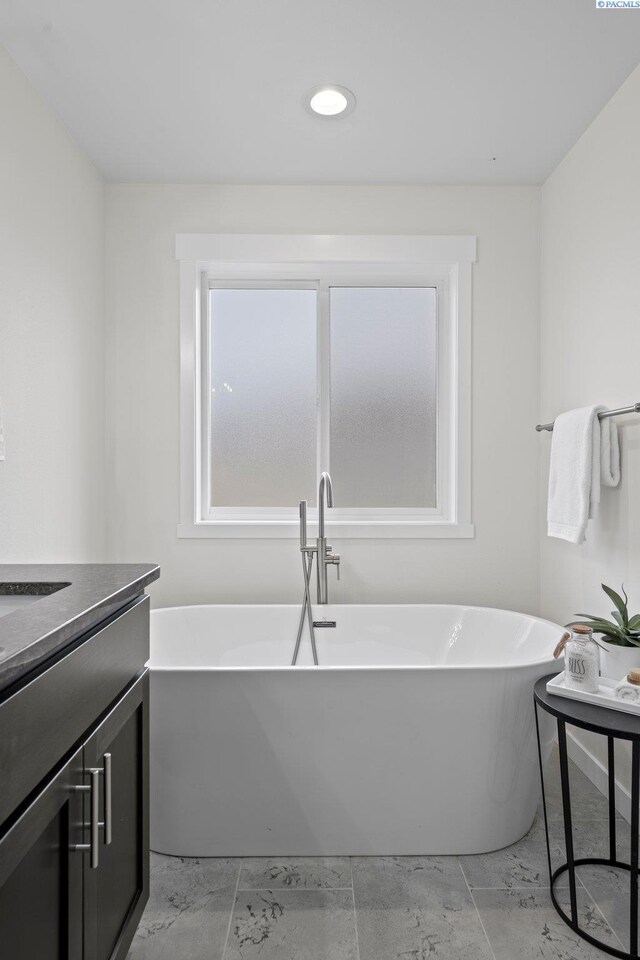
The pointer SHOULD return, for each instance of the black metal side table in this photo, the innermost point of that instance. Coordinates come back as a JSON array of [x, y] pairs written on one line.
[[613, 724]]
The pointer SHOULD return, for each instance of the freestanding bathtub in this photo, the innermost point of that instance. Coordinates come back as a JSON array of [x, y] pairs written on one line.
[[414, 735]]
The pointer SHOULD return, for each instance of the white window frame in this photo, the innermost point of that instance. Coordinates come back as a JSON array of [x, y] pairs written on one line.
[[319, 262]]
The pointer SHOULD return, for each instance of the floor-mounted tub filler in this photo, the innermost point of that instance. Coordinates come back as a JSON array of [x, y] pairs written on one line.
[[414, 735]]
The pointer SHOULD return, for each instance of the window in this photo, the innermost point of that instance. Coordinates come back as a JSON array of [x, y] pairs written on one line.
[[382, 398], [260, 426], [294, 366]]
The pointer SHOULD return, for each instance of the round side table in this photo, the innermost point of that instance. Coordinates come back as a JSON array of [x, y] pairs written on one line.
[[613, 724]]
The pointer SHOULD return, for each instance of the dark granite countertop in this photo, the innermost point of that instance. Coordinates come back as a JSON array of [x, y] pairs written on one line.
[[68, 599]]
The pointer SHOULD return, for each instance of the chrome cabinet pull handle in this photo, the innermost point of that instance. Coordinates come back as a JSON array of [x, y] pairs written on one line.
[[92, 846], [108, 813], [95, 814]]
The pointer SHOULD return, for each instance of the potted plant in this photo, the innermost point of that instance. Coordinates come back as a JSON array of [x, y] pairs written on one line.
[[620, 637]]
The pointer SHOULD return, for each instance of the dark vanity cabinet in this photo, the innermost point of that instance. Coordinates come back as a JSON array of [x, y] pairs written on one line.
[[116, 889], [74, 872], [41, 876]]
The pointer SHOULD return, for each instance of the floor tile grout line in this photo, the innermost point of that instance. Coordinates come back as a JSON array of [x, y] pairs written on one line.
[[233, 907], [287, 889], [600, 911], [486, 935], [528, 886], [355, 912], [547, 888], [576, 821], [514, 886]]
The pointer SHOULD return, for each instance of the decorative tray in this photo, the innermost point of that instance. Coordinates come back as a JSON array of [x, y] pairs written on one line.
[[605, 697]]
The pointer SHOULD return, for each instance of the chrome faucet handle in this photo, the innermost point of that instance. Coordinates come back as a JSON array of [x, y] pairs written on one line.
[[335, 560], [304, 546], [303, 524]]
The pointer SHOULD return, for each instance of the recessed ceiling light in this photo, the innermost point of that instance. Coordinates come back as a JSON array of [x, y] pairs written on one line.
[[329, 101]]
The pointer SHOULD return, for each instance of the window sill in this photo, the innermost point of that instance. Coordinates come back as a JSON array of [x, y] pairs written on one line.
[[337, 530]]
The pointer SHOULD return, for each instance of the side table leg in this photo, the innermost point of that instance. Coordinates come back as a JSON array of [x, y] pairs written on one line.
[[612, 798], [633, 899], [566, 812], [544, 798]]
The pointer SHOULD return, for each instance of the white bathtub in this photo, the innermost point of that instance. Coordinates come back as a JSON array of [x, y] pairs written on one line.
[[414, 735]]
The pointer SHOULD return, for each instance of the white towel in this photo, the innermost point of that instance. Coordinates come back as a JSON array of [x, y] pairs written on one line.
[[628, 691], [584, 455]]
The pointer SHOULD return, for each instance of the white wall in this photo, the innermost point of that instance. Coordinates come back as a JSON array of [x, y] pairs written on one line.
[[499, 567], [51, 335], [590, 349]]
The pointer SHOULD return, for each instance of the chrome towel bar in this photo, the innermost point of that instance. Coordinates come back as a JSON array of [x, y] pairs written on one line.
[[634, 408]]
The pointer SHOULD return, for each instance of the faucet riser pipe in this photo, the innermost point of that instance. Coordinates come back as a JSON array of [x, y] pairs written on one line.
[[306, 610], [321, 572]]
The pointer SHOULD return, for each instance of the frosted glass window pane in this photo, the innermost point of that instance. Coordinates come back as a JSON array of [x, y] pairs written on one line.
[[383, 396], [263, 397]]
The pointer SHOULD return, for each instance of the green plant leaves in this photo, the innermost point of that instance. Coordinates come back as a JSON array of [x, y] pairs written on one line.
[[621, 606], [622, 631], [598, 625]]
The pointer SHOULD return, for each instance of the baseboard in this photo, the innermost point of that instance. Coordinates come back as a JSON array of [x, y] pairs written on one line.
[[594, 770]]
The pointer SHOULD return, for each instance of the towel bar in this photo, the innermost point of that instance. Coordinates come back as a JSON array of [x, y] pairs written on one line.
[[634, 408]]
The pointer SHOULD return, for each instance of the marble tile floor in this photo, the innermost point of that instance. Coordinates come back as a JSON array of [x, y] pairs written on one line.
[[494, 906]]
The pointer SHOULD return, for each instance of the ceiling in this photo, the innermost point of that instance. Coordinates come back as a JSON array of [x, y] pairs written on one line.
[[448, 91]]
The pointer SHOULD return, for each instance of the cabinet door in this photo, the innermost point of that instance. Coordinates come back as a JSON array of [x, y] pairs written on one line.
[[41, 873], [116, 889]]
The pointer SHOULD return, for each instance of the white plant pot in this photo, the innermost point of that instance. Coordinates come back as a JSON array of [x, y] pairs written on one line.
[[615, 661]]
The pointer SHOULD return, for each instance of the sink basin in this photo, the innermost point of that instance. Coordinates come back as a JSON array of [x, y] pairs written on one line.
[[17, 596]]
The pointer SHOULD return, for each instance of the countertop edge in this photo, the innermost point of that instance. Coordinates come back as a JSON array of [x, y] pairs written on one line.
[[30, 639]]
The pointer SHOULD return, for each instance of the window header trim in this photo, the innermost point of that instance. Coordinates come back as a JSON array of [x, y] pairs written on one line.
[[296, 248]]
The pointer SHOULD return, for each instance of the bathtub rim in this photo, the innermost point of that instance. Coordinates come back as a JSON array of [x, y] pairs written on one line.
[[320, 668]]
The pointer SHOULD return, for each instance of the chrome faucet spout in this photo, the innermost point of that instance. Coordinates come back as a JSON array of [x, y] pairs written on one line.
[[325, 556], [324, 487]]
